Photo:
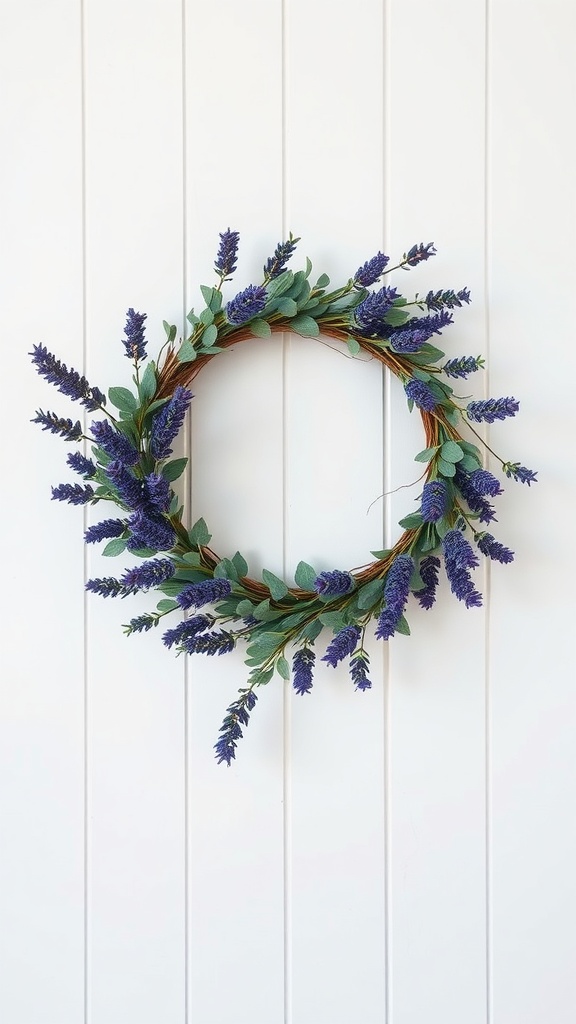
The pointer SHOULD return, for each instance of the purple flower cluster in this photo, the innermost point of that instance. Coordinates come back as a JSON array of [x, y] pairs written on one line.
[[371, 270], [197, 594], [410, 337], [475, 501], [447, 299], [107, 587], [396, 590], [210, 643], [149, 530], [167, 423], [58, 425], [484, 482], [148, 527], [489, 546], [434, 501], [159, 493], [458, 558], [135, 342], [69, 382], [359, 666], [227, 254], [342, 645], [420, 394], [230, 732], [80, 464], [332, 584], [302, 670], [462, 366], [105, 530], [148, 574], [519, 473], [282, 253], [131, 491], [419, 253], [74, 494], [246, 305], [141, 624], [491, 409], [369, 315], [115, 444], [428, 570], [187, 630]]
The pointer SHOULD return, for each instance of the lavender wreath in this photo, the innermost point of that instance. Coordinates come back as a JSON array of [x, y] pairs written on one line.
[[131, 467]]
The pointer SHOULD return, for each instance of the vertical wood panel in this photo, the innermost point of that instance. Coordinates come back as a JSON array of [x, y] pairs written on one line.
[[136, 721], [532, 271], [334, 472], [435, 182], [234, 179], [41, 689]]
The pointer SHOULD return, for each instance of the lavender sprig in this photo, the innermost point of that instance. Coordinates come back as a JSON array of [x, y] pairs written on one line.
[[148, 574], [237, 714], [458, 558], [447, 299], [186, 630], [69, 382], [115, 444], [135, 342], [491, 409], [80, 464], [359, 666], [107, 529], [342, 645], [332, 584], [489, 546], [396, 590], [428, 570], [370, 271], [419, 253], [369, 316], [58, 425], [434, 501], [167, 423], [246, 305], [198, 594], [519, 473], [74, 494], [421, 394], [225, 264], [462, 366], [302, 670], [282, 253]]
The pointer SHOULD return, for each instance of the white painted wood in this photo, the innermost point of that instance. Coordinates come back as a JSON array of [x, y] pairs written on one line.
[[436, 780], [334, 471], [136, 805], [234, 180], [41, 649], [533, 714]]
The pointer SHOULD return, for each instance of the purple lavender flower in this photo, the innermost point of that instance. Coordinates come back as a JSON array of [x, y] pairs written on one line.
[[396, 590], [476, 503], [184, 631], [167, 423], [419, 253], [227, 254], [371, 270], [105, 530], [74, 494], [434, 501], [410, 337], [484, 483], [85, 467], [282, 253], [114, 443], [135, 342], [58, 425], [197, 594], [141, 624], [458, 558], [219, 643], [246, 305], [421, 394], [429, 573], [131, 491], [230, 732], [148, 574], [332, 584], [519, 473], [107, 587], [369, 315], [302, 669], [492, 409], [462, 366], [342, 645], [489, 546], [359, 666], [69, 382], [159, 493], [448, 299], [150, 531]]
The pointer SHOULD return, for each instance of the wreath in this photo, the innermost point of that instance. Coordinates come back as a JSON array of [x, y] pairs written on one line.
[[131, 467]]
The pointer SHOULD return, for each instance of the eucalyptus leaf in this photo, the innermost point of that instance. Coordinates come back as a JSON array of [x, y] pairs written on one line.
[[451, 452], [123, 399], [207, 293], [287, 307], [283, 667], [170, 329], [260, 328], [354, 346], [446, 468], [402, 626], [114, 547], [147, 388], [240, 564], [199, 535], [369, 593], [305, 326], [305, 576], [411, 522], [187, 353], [427, 455], [172, 470], [276, 586], [209, 336], [206, 317], [334, 620], [167, 606]]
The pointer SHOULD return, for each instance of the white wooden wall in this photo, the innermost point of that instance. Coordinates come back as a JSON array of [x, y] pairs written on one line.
[[402, 856]]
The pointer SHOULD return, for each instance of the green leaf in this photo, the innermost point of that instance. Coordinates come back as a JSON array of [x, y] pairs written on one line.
[[294, 620], [209, 336], [334, 620], [279, 284], [305, 576], [411, 522], [354, 346], [442, 527], [207, 293], [395, 317], [427, 454], [147, 388], [283, 667], [171, 588], [170, 330], [308, 266], [446, 468], [369, 593], [312, 630], [192, 318], [470, 463], [199, 535], [206, 317], [216, 301], [240, 564], [276, 586], [167, 606], [323, 281], [453, 416], [382, 554], [260, 328], [305, 326], [265, 645], [114, 547], [123, 399], [192, 558], [287, 307], [261, 678], [187, 353], [245, 608], [427, 354], [451, 452], [172, 470], [402, 626], [226, 570]]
